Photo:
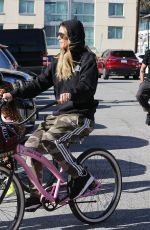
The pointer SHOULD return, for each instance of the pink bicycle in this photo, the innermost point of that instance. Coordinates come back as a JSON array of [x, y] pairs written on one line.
[[95, 206]]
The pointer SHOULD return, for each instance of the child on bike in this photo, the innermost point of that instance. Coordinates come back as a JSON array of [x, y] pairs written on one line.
[[74, 75]]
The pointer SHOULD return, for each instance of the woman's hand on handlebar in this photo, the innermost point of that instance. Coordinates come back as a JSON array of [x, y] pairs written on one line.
[[7, 97], [64, 97]]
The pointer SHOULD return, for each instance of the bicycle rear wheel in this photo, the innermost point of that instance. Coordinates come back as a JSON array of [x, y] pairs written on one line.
[[98, 207], [12, 205]]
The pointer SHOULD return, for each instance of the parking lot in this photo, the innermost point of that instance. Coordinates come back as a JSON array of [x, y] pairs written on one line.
[[120, 128]]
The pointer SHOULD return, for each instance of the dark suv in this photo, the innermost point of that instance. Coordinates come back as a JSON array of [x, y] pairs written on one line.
[[8, 61], [28, 46], [118, 63]]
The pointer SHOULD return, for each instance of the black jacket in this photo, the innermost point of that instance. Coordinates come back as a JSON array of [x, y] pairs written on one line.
[[146, 61], [82, 86]]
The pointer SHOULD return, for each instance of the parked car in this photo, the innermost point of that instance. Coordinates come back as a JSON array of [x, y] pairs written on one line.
[[25, 106], [118, 63], [140, 57], [28, 46], [6, 59]]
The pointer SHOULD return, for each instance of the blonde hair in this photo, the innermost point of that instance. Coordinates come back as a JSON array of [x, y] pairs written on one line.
[[64, 69]]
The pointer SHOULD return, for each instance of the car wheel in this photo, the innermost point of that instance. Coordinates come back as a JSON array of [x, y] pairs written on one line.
[[126, 77], [136, 76], [99, 75], [105, 74]]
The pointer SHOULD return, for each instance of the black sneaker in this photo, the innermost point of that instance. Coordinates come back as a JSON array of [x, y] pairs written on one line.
[[78, 186], [32, 204]]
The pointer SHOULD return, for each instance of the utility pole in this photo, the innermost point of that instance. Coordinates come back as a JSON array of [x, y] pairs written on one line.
[[137, 24], [148, 32]]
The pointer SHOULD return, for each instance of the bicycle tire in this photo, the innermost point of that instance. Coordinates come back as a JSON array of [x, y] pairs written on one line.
[[48, 177], [104, 167], [11, 215]]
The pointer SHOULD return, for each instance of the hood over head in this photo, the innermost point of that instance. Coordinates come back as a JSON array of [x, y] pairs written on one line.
[[75, 32]]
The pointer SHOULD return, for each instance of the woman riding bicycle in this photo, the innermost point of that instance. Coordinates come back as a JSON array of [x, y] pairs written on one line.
[[74, 76]]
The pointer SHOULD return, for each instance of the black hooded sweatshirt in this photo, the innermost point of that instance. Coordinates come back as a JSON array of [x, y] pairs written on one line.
[[82, 85]]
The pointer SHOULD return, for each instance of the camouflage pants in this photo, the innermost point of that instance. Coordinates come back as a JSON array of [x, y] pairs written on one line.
[[52, 137]]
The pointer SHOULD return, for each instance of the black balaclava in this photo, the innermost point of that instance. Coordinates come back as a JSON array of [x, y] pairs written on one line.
[[76, 33]]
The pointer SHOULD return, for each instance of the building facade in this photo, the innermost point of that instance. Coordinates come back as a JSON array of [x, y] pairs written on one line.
[[107, 23]]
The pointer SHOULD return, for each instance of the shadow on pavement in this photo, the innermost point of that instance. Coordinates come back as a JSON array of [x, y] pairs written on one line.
[[120, 220], [111, 142], [129, 169], [136, 186]]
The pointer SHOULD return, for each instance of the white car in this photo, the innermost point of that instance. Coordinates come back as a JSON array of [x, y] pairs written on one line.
[[140, 58]]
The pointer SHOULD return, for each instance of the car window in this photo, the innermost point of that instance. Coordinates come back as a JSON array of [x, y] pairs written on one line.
[[9, 55], [123, 53], [4, 61], [105, 54]]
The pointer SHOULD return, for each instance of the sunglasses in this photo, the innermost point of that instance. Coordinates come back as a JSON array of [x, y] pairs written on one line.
[[61, 35]]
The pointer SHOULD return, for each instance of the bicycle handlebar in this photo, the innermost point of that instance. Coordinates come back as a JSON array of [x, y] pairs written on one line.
[[29, 117]]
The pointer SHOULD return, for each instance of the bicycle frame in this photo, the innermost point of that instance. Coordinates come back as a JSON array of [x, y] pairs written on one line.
[[56, 196], [23, 151]]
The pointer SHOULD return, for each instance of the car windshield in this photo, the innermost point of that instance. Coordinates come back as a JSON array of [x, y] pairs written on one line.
[[4, 61], [123, 53]]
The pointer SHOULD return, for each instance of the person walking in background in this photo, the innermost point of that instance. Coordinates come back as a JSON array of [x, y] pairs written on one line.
[[143, 94], [74, 75]]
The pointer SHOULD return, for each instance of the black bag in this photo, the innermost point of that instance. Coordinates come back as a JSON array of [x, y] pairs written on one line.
[[8, 140]]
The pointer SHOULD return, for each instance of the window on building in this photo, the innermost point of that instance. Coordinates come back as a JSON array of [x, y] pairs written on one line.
[[115, 9], [89, 35], [115, 32], [83, 11], [26, 6], [56, 11], [1, 6], [51, 36], [144, 25], [25, 26]]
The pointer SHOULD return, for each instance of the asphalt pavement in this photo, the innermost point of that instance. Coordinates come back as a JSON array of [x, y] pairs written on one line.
[[121, 129]]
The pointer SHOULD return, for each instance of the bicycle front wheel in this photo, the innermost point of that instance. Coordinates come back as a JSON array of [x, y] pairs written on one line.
[[98, 206], [12, 205]]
